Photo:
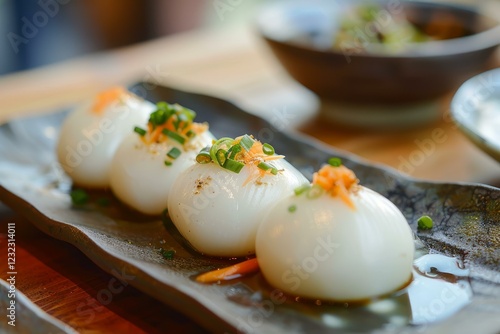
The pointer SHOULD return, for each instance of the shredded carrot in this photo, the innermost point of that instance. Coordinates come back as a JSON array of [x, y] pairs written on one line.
[[198, 127], [254, 174], [105, 98], [273, 157], [155, 134], [253, 157], [231, 272], [337, 181]]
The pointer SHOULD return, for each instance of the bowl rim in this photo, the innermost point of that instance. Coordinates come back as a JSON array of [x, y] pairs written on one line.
[[470, 89], [487, 39]]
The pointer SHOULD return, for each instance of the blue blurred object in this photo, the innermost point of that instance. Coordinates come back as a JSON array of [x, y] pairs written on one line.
[[42, 32]]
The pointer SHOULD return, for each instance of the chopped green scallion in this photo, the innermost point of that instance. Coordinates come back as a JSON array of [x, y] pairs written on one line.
[[425, 223], [174, 135], [79, 196], [204, 156], [265, 166], [315, 191], [224, 142], [161, 114], [183, 117], [185, 114], [268, 167], [335, 162], [247, 142], [168, 163], [267, 149], [167, 254], [301, 189], [139, 131], [292, 208], [190, 134], [221, 156], [174, 153], [235, 149], [233, 165], [177, 123]]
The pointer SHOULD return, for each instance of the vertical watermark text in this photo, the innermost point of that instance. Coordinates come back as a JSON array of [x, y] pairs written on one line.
[[11, 274]]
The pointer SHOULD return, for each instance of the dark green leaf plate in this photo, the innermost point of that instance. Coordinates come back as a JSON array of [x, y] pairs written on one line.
[[127, 245]]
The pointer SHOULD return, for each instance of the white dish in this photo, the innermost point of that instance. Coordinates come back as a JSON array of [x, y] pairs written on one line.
[[475, 108]]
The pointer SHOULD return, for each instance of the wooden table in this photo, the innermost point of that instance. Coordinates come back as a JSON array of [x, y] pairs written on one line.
[[231, 64]]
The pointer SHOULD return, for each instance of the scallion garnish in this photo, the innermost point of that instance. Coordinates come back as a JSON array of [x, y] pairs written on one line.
[[203, 157], [233, 165], [170, 121], [233, 150], [247, 142], [174, 153], [301, 189], [268, 167], [234, 153], [168, 163], [221, 156], [335, 162], [185, 114], [161, 114], [174, 135], [311, 191], [79, 196], [177, 123], [315, 191], [292, 208], [224, 142], [139, 131], [265, 166], [425, 223], [183, 117], [167, 254], [267, 149]]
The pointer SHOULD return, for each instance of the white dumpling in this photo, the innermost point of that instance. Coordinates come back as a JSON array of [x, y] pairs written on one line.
[[139, 176], [218, 211], [90, 135], [145, 165], [322, 246]]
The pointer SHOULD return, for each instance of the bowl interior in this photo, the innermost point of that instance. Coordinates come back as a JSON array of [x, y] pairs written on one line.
[[315, 24]]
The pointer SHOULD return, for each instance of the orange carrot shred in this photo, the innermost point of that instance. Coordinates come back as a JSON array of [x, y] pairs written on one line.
[[231, 272], [155, 135], [338, 181], [344, 195], [105, 98]]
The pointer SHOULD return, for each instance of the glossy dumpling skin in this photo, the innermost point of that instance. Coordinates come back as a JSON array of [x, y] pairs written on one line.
[[219, 215], [89, 138], [323, 249], [139, 176]]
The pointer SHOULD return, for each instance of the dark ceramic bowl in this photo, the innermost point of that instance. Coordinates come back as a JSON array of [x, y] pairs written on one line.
[[300, 35]]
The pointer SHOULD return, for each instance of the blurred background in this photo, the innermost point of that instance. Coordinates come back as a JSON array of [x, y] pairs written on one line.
[[47, 31], [70, 28]]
